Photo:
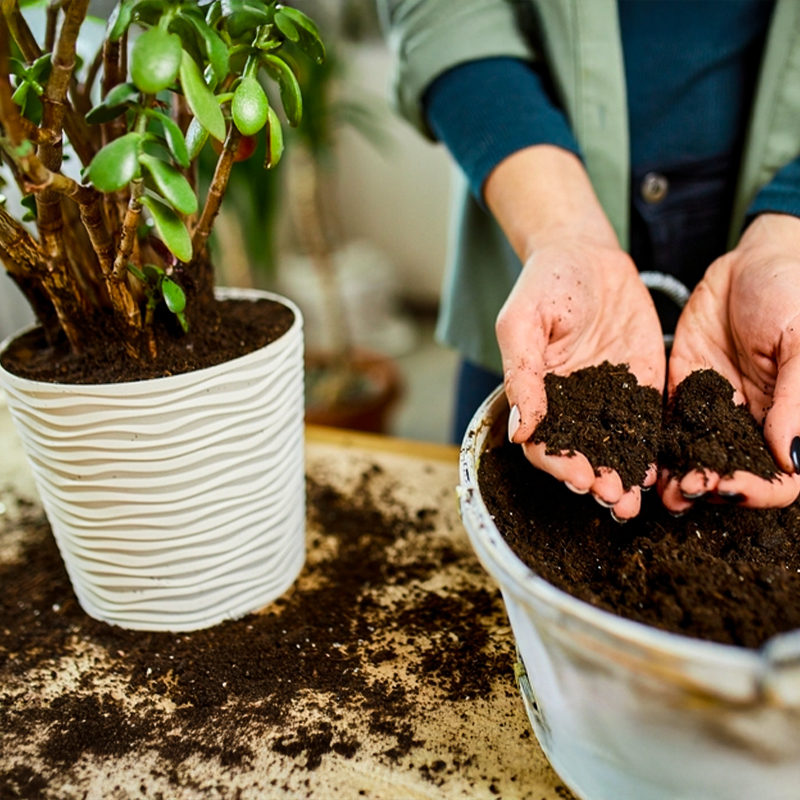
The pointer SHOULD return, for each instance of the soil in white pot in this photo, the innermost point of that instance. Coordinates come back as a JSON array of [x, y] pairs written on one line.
[[719, 572], [219, 331]]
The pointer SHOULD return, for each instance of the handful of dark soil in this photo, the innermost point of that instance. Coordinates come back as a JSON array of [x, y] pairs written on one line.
[[704, 428], [605, 414]]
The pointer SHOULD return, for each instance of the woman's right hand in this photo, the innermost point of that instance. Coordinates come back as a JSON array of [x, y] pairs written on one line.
[[578, 301]]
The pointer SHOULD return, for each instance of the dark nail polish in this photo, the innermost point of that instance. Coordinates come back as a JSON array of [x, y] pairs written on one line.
[[794, 451], [732, 497]]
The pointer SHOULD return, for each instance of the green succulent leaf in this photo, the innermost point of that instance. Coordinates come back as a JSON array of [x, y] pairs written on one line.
[[137, 273], [102, 113], [175, 189], [196, 137], [121, 93], [113, 104], [190, 40], [291, 97], [174, 296], [249, 106], [117, 163], [120, 19], [215, 49], [214, 13], [21, 94], [245, 17], [170, 228], [155, 60], [274, 140], [174, 137], [310, 40], [40, 69], [28, 202], [17, 68], [33, 108], [201, 99], [154, 274], [150, 12], [287, 27]]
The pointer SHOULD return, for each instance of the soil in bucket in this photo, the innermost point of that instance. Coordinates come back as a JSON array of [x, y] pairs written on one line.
[[719, 572], [219, 332]]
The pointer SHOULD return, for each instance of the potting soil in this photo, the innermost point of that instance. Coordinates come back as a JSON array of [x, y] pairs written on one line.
[[719, 572], [225, 330], [377, 674]]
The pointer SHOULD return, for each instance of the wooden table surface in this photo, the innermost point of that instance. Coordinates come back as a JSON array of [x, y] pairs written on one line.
[[476, 746]]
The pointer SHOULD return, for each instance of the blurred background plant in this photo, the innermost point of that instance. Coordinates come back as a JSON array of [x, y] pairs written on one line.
[[298, 248]]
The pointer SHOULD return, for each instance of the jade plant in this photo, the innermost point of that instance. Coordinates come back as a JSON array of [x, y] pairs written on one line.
[[128, 231]]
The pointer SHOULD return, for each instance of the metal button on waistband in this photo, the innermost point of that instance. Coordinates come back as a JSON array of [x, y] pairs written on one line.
[[654, 187]]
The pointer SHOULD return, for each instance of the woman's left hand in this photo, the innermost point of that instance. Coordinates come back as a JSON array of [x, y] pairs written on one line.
[[743, 320]]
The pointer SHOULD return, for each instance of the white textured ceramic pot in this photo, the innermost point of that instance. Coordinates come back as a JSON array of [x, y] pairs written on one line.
[[177, 502], [628, 712]]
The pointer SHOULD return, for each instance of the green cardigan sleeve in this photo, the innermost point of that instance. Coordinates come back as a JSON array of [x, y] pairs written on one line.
[[428, 37]]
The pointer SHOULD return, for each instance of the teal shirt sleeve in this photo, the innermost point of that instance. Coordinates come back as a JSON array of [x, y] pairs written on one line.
[[429, 37], [486, 110], [781, 195]]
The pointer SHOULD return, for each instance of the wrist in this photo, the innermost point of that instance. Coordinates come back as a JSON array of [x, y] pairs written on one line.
[[542, 195], [771, 232]]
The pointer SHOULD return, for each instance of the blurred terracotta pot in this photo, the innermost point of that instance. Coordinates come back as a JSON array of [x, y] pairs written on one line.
[[360, 397]]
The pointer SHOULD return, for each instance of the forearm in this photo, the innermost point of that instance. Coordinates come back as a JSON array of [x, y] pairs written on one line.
[[542, 194]]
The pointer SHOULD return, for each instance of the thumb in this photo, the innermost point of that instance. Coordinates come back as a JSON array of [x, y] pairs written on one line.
[[524, 385], [782, 424]]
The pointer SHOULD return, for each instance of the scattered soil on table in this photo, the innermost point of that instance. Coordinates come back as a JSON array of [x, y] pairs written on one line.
[[240, 684], [720, 572], [622, 435], [705, 429], [228, 329]]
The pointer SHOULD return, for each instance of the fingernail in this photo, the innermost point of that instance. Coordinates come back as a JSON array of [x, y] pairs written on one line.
[[731, 497], [677, 514], [616, 518], [794, 451], [695, 496], [602, 502], [575, 488], [514, 420]]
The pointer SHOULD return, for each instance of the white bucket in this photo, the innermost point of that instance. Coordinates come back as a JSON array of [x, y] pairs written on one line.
[[625, 711], [176, 502]]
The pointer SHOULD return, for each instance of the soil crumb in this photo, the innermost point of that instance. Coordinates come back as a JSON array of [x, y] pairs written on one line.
[[604, 413]]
